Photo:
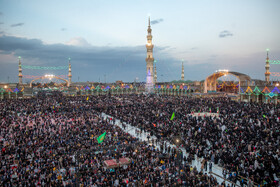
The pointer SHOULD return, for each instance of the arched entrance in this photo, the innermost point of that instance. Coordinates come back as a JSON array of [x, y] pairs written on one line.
[[50, 77], [210, 83]]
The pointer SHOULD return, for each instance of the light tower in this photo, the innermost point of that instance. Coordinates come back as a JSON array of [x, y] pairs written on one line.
[[267, 66], [155, 76], [19, 71], [149, 61], [183, 73], [69, 74]]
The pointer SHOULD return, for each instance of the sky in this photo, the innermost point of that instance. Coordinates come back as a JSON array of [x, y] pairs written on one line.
[[106, 39]]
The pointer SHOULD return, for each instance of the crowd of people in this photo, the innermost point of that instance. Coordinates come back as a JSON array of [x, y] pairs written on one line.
[[244, 139], [52, 141]]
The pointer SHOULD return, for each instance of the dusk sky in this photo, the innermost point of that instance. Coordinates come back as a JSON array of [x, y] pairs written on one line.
[[109, 37]]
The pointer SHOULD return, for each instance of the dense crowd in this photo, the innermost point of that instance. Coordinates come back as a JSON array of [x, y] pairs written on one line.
[[244, 139], [52, 141]]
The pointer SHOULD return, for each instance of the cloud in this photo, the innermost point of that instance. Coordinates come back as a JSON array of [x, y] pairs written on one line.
[[89, 63], [17, 25], [10, 43], [78, 41], [63, 29], [225, 34], [2, 32], [1, 13], [156, 21], [1, 23]]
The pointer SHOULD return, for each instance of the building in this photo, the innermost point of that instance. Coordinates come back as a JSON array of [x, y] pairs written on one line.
[[149, 61]]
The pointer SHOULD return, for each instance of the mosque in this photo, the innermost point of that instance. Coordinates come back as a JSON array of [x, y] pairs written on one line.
[[246, 89]]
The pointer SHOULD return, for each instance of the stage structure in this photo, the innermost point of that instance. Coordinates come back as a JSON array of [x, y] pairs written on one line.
[[47, 76], [210, 83]]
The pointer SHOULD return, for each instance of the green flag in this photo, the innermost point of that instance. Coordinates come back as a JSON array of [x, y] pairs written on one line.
[[101, 137], [264, 116], [173, 115]]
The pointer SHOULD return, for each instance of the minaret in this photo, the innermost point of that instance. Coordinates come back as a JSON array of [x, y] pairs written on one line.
[[183, 73], [267, 66], [155, 75], [19, 71], [149, 60], [69, 74]]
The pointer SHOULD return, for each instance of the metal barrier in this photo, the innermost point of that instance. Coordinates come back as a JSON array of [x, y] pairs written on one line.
[[224, 178]]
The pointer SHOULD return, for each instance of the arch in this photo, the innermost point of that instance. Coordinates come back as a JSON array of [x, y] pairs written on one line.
[[52, 77], [210, 83]]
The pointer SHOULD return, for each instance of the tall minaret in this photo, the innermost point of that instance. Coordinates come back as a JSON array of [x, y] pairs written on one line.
[[149, 60], [183, 73], [155, 75], [69, 74], [19, 71], [267, 66]]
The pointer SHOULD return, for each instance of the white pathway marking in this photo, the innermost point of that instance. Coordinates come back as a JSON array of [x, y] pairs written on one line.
[[144, 137]]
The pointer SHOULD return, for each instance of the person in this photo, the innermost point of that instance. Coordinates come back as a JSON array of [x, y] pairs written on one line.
[[210, 166], [148, 137], [40, 130]]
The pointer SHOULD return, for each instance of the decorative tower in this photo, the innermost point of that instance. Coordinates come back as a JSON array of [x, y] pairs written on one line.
[[69, 74], [149, 61], [19, 71], [155, 75], [267, 66], [183, 73]]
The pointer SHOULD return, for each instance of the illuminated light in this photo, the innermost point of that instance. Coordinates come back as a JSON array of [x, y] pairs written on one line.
[[19, 57], [45, 68], [275, 74], [277, 84], [5, 86], [177, 140], [267, 49], [49, 76], [274, 61], [222, 70], [155, 61], [69, 58]]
